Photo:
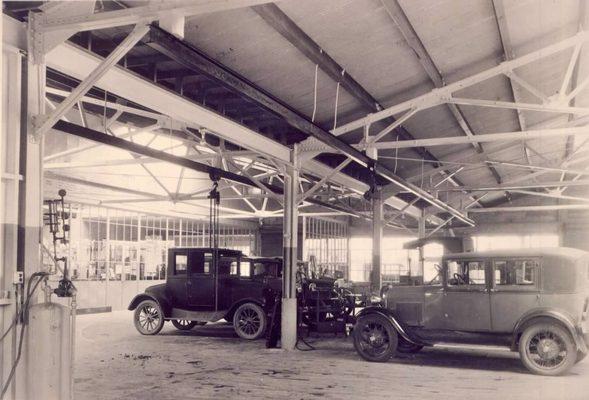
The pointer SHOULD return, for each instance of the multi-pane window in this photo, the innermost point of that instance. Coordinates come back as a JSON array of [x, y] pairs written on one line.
[[498, 242], [396, 262], [326, 245], [121, 245]]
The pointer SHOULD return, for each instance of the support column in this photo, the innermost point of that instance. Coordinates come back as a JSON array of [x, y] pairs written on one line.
[[377, 225], [30, 230], [290, 226]]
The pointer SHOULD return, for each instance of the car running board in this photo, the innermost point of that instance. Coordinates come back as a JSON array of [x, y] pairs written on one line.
[[201, 316]]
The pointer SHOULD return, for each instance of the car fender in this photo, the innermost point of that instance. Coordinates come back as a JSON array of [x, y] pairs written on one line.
[[163, 303], [562, 317], [390, 316]]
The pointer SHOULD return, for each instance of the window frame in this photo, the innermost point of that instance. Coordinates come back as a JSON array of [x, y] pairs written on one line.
[[185, 270], [467, 287], [517, 288]]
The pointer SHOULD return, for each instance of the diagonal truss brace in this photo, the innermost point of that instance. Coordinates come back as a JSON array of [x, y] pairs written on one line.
[[113, 58]]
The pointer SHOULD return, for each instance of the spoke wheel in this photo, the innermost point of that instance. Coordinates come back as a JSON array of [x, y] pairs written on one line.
[[547, 349], [148, 318], [184, 324], [375, 339], [249, 321]]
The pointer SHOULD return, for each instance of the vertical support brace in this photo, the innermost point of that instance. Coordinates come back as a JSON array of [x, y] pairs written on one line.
[[377, 228], [290, 231]]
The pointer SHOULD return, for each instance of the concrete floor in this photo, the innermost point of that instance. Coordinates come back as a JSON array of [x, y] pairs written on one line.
[[114, 362]]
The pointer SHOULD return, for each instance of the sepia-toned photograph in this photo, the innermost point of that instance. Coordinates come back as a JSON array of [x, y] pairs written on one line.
[[294, 199]]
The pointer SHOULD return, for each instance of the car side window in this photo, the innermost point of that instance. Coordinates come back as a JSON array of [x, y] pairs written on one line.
[[245, 270], [515, 273], [201, 264], [260, 269], [465, 273], [228, 265], [180, 264]]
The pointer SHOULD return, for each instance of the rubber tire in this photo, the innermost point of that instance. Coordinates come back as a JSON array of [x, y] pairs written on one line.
[[263, 321], [404, 347], [571, 348], [137, 312], [180, 327], [390, 330]]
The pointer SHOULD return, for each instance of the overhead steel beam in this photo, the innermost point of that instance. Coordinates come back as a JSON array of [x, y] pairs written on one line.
[[190, 57], [151, 12], [278, 20], [113, 141], [185, 54], [397, 14], [556, 207], [441, 95], [74, 61], [511, 186], [80, 181], [487, 137]]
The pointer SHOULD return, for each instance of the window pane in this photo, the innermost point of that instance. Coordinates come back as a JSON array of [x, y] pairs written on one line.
[[181, 263], [245, 270], [466, 273], [515, 272], [226, 265]]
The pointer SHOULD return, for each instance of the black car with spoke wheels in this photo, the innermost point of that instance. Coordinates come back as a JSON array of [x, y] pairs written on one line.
[[207, 285], [534, 301]]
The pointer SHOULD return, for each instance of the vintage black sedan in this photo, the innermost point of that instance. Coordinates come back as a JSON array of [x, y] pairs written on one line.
[[534, 301], [207, 285]]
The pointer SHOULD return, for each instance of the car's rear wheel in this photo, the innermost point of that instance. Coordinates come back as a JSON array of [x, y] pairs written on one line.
[[185, 325], [547, 349], [148, 318], [375, 339], [403, 346], [249, 321]]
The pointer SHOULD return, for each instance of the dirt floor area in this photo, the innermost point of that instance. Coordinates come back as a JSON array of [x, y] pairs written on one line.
[[114, 362]]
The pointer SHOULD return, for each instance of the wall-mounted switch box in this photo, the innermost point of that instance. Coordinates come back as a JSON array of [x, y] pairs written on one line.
[[19, 278]]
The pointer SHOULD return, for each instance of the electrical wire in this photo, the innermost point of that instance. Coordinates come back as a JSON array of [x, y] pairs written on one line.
[[23, 314], [336, 103]]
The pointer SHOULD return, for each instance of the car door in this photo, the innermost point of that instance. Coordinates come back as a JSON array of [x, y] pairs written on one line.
[[201, 280], [176, 278], [466, 300], [515, 290]]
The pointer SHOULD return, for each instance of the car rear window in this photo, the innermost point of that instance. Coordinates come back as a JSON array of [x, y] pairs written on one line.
[[515, 272]]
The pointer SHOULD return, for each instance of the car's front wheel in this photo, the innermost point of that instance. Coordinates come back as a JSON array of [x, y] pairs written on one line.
[[375, 339], [547, 349], [185, 325], [148, 318], [249, 321]]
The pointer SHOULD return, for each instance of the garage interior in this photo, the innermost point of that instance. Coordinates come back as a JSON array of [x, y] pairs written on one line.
[[355, 137]]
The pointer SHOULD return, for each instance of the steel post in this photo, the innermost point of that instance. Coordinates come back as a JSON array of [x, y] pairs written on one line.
[[290, 227], [377, 224]]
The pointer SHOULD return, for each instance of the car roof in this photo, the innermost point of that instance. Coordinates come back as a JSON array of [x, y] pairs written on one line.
[[254, 258], [563, 252]]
